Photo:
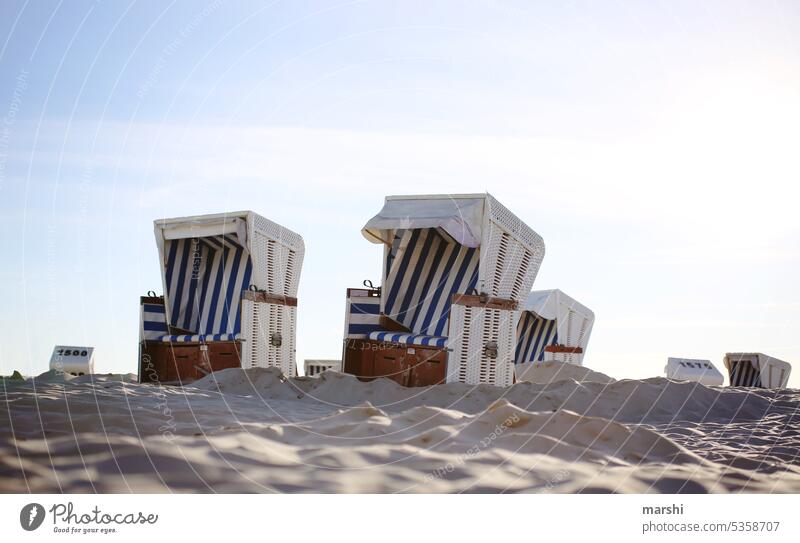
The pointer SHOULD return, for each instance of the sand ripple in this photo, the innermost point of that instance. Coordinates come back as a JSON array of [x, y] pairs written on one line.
[[256, 431]]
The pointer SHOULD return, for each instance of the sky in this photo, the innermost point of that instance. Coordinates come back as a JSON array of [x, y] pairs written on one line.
[[654, 146]]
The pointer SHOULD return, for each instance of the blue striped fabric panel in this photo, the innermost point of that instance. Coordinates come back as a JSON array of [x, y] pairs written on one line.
[[409, 339], [534, 334], [744, 374], [229, 275], [425, 269], [364, 316], [154, 322], [205, 280]]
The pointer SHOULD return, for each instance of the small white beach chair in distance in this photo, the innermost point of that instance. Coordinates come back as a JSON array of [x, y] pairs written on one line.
[[692, 369], [456, 269], [73, 360], [553, 326], [756, 370], [230, 297]]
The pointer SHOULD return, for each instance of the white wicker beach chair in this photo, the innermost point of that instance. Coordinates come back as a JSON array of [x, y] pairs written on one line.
[[756, 370], [553, 326], [230, 297], [455, 271]]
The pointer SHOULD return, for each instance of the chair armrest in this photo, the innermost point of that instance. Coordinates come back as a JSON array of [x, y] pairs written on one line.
[[390, 325], [487, 302], [563, 349], [266, 298]]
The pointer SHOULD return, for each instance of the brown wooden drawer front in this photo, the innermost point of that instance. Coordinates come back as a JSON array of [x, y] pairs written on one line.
[[183, 363], [409, 366], [353, 358], [429, 367], [224, 355], [185, 358], [153, 367], [392, 364]]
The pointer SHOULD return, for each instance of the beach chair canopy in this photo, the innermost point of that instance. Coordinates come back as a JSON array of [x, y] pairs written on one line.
[[460, 216], [551, 317], [441, 245], [208, 261], [756, 370]]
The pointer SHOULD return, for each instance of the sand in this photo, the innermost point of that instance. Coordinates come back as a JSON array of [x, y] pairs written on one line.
[[564, 429]]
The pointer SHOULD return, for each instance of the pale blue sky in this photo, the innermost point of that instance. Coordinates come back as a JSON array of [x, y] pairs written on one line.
[[652, 145]]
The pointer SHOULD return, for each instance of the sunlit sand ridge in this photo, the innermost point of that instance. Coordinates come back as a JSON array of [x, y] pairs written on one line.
[[572, 430]]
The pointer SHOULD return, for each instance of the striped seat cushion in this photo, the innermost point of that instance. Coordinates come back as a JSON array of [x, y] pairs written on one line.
[[534, 333], [425, 267], [200, 338], [408, 339]]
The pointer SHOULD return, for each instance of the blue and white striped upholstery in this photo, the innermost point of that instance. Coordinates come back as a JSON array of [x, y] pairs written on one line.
[[205, 278], [154, 322], [201, 338], [742, 373], [363, 314], [409, 339], [425, 267], [534, 333]]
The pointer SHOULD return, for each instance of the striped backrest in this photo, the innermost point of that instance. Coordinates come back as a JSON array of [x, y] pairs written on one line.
[[153, 322], [534, 333], [424, 268], [743, 373], [205, 278], [363, 313]]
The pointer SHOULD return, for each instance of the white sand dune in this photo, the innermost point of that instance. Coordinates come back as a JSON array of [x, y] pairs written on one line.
[[547, 372], [564, 429]]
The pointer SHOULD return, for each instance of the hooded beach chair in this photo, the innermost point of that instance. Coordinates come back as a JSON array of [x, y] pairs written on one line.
[[455, 271], [756, 370], [693, 369], [230, 297], [552, 326]]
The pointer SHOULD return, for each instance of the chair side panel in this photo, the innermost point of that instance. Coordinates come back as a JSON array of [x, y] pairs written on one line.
[[362, 313], [511, 254], [268, 331], [277, 255], [471, 329]]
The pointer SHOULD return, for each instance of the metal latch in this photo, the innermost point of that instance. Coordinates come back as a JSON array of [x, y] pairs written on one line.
[[368, 283], [490, 349]]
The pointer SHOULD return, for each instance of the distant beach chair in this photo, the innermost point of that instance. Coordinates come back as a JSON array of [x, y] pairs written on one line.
[[553, 326], [756, 370], [455, 271], [230, 297], [72, 360], [692, 369]]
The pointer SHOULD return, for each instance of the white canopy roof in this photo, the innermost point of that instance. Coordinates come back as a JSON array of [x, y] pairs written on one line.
[[233, 224], [551, 304], [460, 215]]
